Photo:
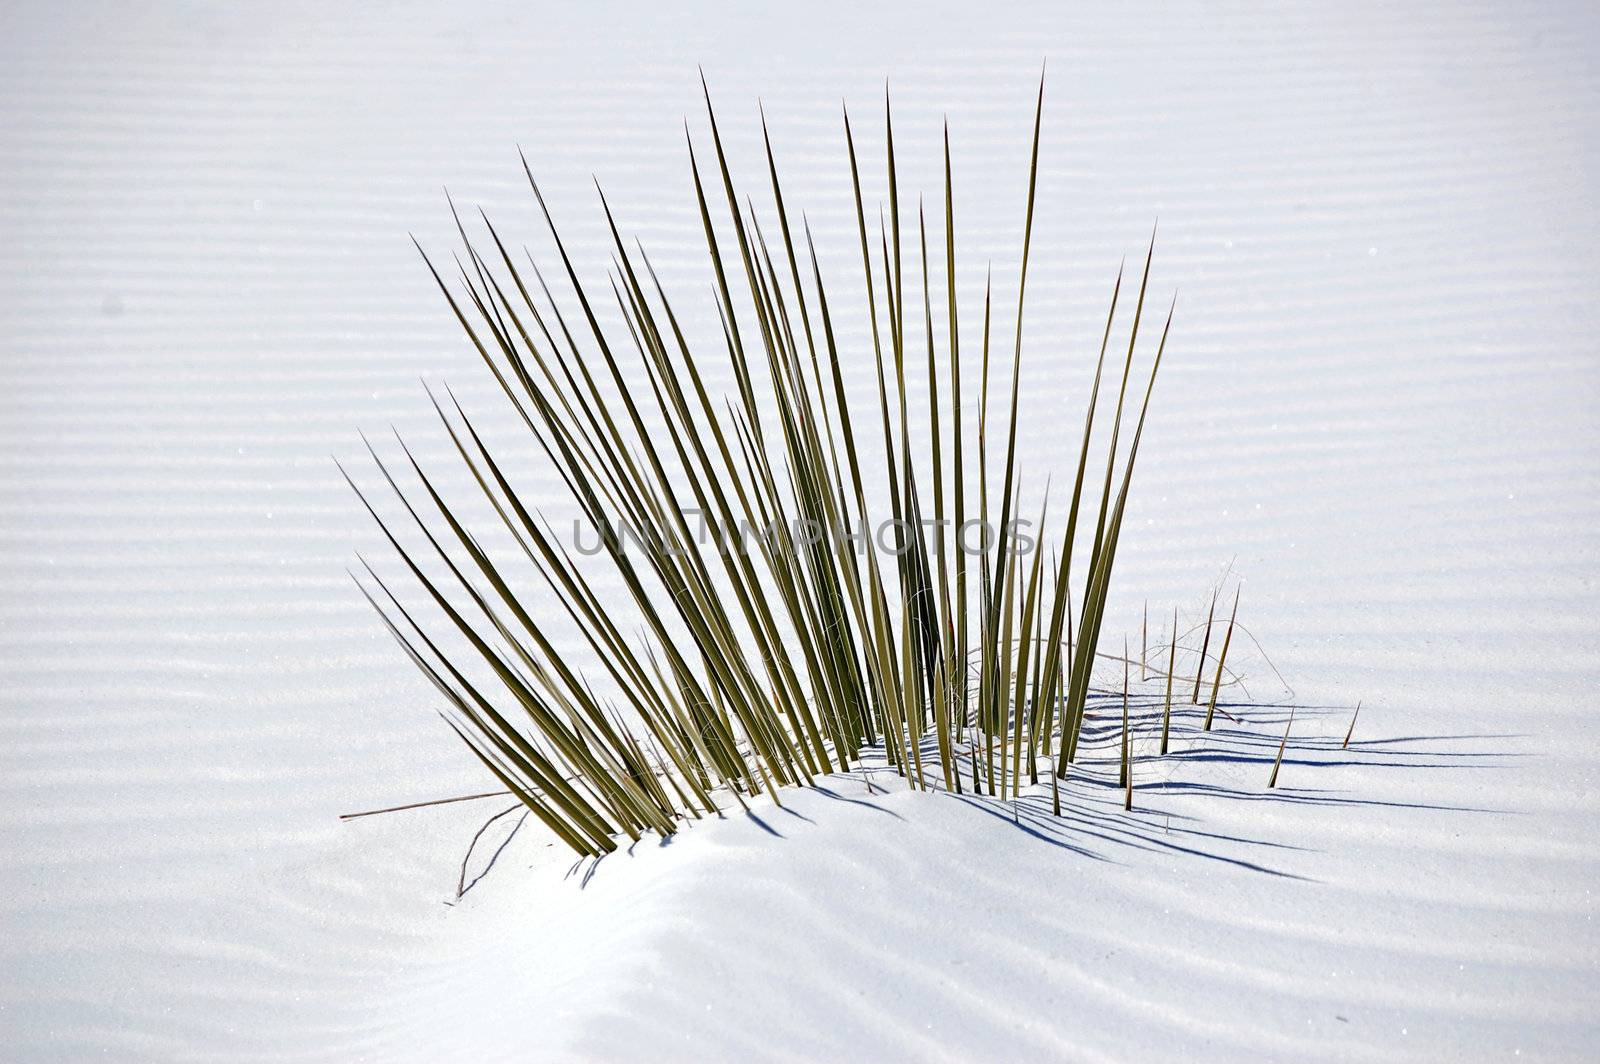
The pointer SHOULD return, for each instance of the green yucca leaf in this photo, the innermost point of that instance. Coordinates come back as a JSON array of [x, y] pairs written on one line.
[[759, 661]]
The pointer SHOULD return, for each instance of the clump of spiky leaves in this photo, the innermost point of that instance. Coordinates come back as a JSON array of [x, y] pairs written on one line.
[[768, 667]]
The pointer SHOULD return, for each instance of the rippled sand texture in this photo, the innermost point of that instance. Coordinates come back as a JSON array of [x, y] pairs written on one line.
[[1379, 410]]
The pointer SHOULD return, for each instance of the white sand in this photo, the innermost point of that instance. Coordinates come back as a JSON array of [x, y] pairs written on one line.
[[1380, 410]]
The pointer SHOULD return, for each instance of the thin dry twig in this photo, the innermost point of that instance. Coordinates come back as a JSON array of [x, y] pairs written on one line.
[[462, 886], [423, 805]]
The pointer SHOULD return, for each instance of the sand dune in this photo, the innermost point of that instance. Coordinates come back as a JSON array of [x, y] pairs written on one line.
[[1379, 413], [1215, 922]]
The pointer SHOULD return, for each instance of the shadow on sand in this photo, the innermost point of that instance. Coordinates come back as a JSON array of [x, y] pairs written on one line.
[[1233, 761]]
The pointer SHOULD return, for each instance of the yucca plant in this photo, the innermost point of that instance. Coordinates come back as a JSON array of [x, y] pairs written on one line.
[[765, 661]]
